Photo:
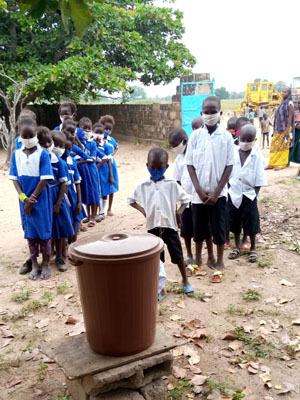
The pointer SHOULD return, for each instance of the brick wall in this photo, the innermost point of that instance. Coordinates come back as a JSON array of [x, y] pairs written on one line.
[[147, 122]]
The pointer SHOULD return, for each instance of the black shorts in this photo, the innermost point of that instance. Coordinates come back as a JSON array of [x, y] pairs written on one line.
[[246, 217], [187, 231], [171, 239], [266, 133], [210, 221]]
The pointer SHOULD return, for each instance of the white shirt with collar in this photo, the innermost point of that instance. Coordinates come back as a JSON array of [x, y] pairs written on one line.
[[245, 178], [159, 200], [181, 174], [210, 154]]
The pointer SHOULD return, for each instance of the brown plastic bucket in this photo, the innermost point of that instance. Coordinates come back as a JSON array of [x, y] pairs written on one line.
[[117, 274]]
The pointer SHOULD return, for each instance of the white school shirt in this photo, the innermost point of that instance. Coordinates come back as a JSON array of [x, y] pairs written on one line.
[[182, 175], [159, 200], [244, 179], [209, 155]]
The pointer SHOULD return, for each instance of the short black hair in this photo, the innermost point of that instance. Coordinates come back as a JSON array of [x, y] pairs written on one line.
[[231, 123], [197, 123], [71, 105], [158, 154], [42, 132], [212, 99], [107, 118], [58, 135], [241, 121], [68, 122], [98, 125], [176, 134], [26, 121], [85, 120], [249, 128], [27, 113]]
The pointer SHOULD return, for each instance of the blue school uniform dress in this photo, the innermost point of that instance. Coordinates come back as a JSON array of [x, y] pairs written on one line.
[[62, 224], [29, 170], [94, 192], [79, 132], [112, 145], [84, 171], [103, 152], [18, 143], [74, 177]]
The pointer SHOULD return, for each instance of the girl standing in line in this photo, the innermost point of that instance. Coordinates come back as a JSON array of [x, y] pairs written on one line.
[[30, 172]]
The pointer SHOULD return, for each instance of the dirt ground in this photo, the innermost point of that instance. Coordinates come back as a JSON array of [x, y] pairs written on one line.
[[258, 304]]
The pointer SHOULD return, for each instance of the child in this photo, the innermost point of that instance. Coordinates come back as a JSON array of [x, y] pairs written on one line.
[[197, 123], [24, 114], [245, 182], [68, 111], [104, 168], [265, 129], [108, 122], [251, 116], [178, 140], [93, 195], [231, 128], [158, 196], [209, 158], [62, 219], [31, 171]]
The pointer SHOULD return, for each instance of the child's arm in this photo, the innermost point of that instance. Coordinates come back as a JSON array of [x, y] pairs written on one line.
[[138, 207], [179, 214], [257, 189], [111, 176], [102, 162], [56, 207], [212, 198], [79, 201], [201, 193], [29, 202]]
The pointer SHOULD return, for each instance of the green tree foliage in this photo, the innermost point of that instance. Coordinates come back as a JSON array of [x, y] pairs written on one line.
[[222, 93], [124, 41], [137, 93], [237, 95], [280, 85]]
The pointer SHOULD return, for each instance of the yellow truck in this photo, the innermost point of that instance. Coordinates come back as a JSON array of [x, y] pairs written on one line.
[[260, 94]]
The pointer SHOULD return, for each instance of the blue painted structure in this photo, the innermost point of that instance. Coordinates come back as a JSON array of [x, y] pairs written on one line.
[[192, 100]]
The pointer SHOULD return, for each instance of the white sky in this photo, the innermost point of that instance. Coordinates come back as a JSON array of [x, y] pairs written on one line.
[[237, 41]]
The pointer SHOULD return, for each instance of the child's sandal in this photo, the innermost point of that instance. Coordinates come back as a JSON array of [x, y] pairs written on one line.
[[216, 277], [252, 256], [234, 254]]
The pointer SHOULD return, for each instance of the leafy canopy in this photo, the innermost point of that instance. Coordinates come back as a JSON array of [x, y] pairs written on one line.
[[124, 41]]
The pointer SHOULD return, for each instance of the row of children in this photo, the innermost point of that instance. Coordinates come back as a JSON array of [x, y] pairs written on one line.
[[57, 172], [216, 184]]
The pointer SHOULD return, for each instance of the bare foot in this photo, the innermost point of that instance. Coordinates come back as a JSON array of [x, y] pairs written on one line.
[[219, 265], [211, 262], [269, 167]]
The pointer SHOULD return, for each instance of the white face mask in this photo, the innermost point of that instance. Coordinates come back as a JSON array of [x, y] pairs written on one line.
[[63, 118], [88, 135], [49, 149], [58, 151], [180, 149], [211, 119], [246, 146], [29, 143]]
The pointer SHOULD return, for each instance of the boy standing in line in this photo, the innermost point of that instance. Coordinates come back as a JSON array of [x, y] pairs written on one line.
[[210, 158]]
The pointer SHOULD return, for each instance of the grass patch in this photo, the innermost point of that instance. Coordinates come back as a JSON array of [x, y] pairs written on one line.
[[179, 390], [234, 310], [231, 104], [264, 261], [23, 295], [61, 288], [224, 389], [251, 295], [265, 200], [162, 309], [257, 346], [42, 370], [198, 295], [175, 288], [48, 296], [281, 182], [32, 306]]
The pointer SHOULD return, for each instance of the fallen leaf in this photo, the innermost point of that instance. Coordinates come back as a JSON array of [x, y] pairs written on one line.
[[77, 330], [5, 343], [178, 351], [229, 336], [42, 324], [232, 371], [195, 370], [68, 296], [194, 323], [13, 382], [181, 304], [284, 282], [287, 387], [177, 335], [6, 333], [175, 317], [71, 321], [268, 384], [194, 360], [264, 368], [266, 377], [296, 322], [264, 331], [199, 380], [248, 328], [235, 345], [179, 373], [189, 351], [283, 300], [277, 387], [252, 370], [197, 389], [199, 334], [254, 365]]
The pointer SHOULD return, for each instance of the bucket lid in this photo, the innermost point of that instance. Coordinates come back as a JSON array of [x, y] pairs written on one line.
[[114, 245]]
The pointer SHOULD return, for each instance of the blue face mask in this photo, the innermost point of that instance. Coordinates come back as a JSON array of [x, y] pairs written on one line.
[[106, 133], [157, 174]]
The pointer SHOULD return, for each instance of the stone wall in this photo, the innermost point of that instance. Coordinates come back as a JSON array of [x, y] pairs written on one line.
[[144, 122]]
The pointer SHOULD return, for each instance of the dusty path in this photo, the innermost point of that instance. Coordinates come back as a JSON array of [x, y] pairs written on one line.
[[272, 341]]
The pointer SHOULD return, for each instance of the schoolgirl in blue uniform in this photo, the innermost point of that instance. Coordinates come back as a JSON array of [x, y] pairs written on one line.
[[109, 122], [62, 218], [68, 111], [30, 172], [74, 192], [94, 193], [104, 168], [25, 113]]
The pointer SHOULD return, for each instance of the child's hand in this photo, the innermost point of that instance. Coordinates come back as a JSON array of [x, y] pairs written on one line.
[[179, 218], [111, 180], [28, 207], [90, 161], [78, 208], [212, 198], [203, 195], [56, 209]]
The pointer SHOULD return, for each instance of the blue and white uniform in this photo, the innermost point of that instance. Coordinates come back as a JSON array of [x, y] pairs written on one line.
[[79, 132], [62, 224], [112, 145], [29, 170], [94, 192], [84, 171], [18, 143], [103, 152]]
